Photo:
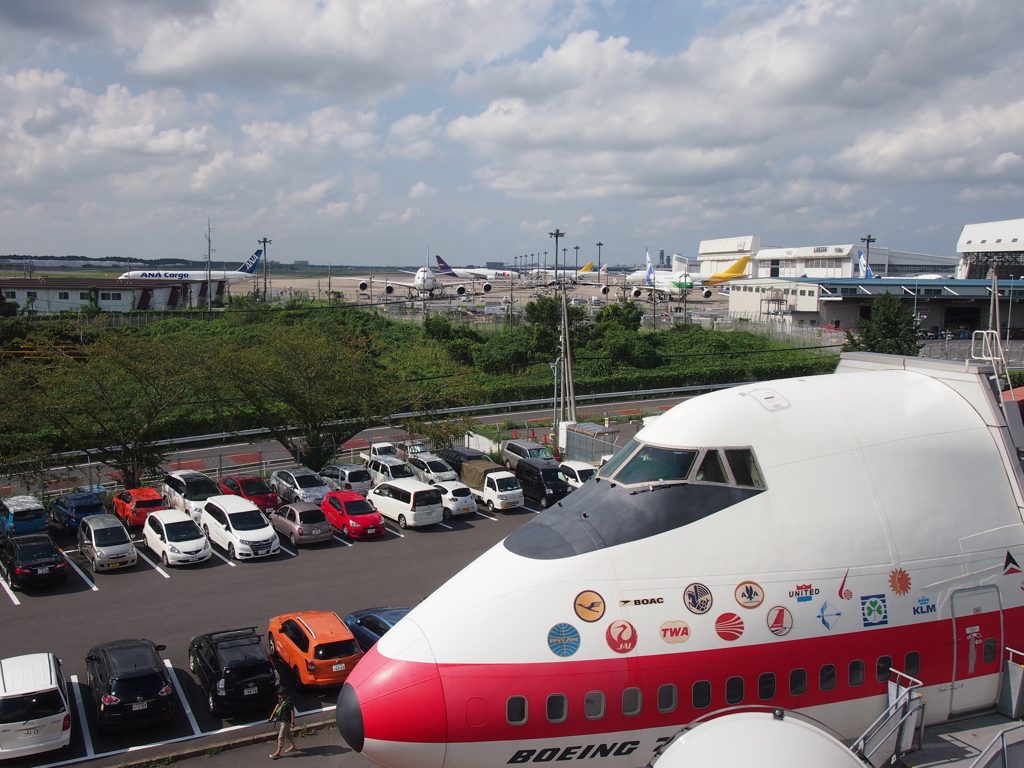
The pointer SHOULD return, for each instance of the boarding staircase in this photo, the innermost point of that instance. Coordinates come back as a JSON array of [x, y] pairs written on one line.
[[898, 729]]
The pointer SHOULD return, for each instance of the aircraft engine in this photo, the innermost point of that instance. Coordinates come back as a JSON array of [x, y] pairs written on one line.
[[605, 289], [487, 287], [636, 293], [460, 291], [389, 289], [364, 286], [706, 293]]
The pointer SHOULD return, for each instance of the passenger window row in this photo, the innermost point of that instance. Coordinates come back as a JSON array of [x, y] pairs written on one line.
[[594, 705]]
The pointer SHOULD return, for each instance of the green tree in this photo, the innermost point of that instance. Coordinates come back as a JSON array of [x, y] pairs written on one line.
[[623, 314], [888, 328]]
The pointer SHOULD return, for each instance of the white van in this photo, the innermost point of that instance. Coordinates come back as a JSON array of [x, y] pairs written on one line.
[[34, 714], [409, 502]]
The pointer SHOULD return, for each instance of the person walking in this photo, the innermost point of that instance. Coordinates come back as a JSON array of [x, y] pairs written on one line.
[[284, 716]]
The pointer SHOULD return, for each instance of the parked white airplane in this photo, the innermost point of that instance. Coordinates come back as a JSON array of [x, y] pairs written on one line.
[[424, 283], [574, 275], [787, 543], [681, 281], [472, 274], [248, 269]]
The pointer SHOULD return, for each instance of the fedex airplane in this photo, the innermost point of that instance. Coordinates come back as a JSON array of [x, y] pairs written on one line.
[[471, 274], [248, 269], [786, 543]]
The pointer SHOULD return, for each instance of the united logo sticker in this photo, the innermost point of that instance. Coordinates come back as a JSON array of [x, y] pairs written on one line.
[[697, 598], [873, 610], [563, 639], [899, 582], [828, 615], [589, 605], [675, 631], [749, 594], [780, 621], [621, 636], [804, 593], [729, 626]]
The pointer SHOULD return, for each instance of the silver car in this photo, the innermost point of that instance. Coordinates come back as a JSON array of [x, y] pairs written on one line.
[[347, 477], [430, 469], [105, 543], [302, 523], [299, 484]]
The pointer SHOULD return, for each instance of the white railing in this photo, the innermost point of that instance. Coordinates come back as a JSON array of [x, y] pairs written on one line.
[[898, 729]]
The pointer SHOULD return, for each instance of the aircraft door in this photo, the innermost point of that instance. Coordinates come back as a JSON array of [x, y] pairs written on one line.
[[977, 648]]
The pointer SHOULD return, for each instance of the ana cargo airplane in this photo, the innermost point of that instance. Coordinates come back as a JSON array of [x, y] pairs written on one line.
[[248, 269], [787, 543]]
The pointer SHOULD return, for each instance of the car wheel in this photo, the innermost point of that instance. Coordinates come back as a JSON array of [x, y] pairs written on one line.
[[293, 540], [490, 506], [164, 560], [298, 680], [92, 562], [273, 646], [544, 502], [401, 522], [206, 530], [344, 530], [211, 704], [231, 551], [447, 514], [192, 662], [508, 465]]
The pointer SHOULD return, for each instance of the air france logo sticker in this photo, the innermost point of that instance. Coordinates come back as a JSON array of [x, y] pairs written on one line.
[[697, 598], [780, 621], [675, 631], [563, 639], [589, 605], [621, 636], [873, 610], [749, 594]]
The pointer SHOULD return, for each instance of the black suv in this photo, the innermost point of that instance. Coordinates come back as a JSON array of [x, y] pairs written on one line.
[[234, 670], [31, 559], [457, 454], [130, 684]]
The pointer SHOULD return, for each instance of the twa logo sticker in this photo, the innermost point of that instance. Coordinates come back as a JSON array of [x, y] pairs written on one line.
[[844, 593], [675, 631], [589, 605], [621, 636], [563, 639], [698, 598], [749, 594], [899, 581], [780, 621], [729, 626]]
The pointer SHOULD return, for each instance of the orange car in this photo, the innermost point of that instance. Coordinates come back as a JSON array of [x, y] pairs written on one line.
[[316, 645], [134, 505]]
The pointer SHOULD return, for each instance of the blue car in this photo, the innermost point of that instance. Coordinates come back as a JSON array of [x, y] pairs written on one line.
[[368, 625], [21, 514], [68, 510]]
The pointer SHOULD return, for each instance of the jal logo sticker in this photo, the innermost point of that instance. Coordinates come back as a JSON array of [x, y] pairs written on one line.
[[899, 582], [924, 606], [589, 605], [780, 621], [749, 594], [698, 598], [621, 636], [828, 615], [729, 626], [873, 610], [804, 593], [675, 631], [563, 639]]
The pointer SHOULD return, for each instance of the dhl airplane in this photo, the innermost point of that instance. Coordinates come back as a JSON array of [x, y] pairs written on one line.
[[786, 543], [679, 282], [247, 269]]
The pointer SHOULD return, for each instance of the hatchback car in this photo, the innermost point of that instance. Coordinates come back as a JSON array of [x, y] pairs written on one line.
[[302, 523], [457, 499], [408, 502], [135, 504], [21, 514], [188, 491], [524, 449], [34, 713], [174, 537], [577, 472], [315, 645], [457, 455], [103, 541], [239, 527], [542, 481], [31, 560], [386, 468], [130, 684], [347, 477], [67, 511], [299, 484], [234, 670], [430, 469], [252, 488], [353, 515], [371, 624]]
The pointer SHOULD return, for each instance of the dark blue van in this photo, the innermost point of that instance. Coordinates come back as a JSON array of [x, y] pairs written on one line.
[[68, 510]]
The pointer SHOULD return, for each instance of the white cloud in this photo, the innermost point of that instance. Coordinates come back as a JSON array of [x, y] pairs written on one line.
[[476, 226], [421, 189]]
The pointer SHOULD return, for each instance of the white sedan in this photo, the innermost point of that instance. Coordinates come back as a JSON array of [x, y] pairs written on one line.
[[457, 499], [173, 536], [238, 525]]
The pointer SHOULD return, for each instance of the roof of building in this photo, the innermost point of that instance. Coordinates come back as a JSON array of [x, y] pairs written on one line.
[[992, 237], [68, 283]]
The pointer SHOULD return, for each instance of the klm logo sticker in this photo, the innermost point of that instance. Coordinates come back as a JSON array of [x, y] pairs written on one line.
[[873, 610], [924, 606]]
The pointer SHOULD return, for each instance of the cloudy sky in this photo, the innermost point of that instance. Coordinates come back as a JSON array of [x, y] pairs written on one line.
[[367, 131]]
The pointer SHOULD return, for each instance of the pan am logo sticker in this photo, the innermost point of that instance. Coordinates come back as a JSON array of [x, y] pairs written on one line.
[[675, 631], [563, 639], [729, 626], [873, 610], [621, 636], [749, 594], [780, 621], [698, 598], [589, 605]]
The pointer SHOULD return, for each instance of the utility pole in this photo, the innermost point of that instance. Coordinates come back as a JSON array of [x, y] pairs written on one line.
[[867, 254], [599, 262], [209, 253], [577, 249], [266, 260]]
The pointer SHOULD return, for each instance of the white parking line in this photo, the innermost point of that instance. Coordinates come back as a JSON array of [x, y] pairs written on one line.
[[444, 525], [81, 573], [86, 736], [10, 593], [343, 541], [156, 567], [492, 518], [218, 554], [288, 551], [394, 531], [181, 696]]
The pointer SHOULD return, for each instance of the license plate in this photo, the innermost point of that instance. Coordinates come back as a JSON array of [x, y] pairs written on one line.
[[371, 530], [29, 732], [316, 531], [139, 705], [113, 565], [44, 569], [250, 691], [338, 667], [260, 551]]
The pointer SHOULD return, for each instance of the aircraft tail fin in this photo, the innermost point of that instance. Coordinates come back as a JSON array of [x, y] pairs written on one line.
[[649, 279], [249, 265], [680, 263], [604, 270], [588, 267], [442, 266], [737, 269], [865, 268]]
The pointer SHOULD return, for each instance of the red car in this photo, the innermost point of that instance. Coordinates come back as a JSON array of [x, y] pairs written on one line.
[[353, 515], [134, 505], [252, 488]]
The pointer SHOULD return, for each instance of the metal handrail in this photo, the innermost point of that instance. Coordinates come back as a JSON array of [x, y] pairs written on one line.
[[984, 756], [901, 701]]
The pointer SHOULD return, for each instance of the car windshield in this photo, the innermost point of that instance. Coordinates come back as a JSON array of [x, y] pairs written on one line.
[[585, 474], [385, 450], [184, 530], [140, 686], [339, 649], [200, 488], [460, 493], [237, 674], [360, 507], [37, 550], [508, 484], [438, 466], [31, 706], [401, 470], [552, 475], [149, 504], [540, 453], [254, 487], [651, 464], [25, 515], [311, 516], [110, 537], [250, 520], [308, 481], [359, 476]]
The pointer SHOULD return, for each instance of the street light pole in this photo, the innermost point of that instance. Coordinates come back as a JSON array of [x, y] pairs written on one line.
[[266, 260], [577, 249], [599, 262], [867, 251]]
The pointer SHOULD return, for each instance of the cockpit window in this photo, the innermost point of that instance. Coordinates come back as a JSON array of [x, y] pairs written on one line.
[[711, 469], [611, 466], [744, 468], [652, 464]]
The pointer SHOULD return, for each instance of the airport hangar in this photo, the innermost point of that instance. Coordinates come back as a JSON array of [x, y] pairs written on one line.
[[53, 295]]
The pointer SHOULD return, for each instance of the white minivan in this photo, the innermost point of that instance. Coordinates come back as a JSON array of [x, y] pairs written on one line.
[[409, 502], [34, 714], [240, 527]]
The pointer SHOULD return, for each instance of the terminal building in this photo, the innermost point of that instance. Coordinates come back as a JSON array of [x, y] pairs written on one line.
[[53, 295]]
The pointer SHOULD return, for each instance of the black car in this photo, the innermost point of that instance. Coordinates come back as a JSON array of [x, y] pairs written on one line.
[[542, 481], [234, 670], [457, 454], [370, 624], [31, 559], [130, 684]]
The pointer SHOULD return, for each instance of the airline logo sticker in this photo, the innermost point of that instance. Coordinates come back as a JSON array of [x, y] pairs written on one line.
[[563, 639], [643, 601], [1010, 565], [924, 606], [804, 593], [621, 636], [873, 610], [780, 621], [844, 593], [749, 594], [698, 598], [675, 631], [729, 626], [828, 615], [589, 605], [899, 582]]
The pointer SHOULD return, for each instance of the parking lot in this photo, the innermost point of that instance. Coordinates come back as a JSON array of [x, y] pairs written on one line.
[[171, 605]]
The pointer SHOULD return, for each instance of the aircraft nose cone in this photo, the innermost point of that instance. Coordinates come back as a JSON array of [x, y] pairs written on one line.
[[350, 718]]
